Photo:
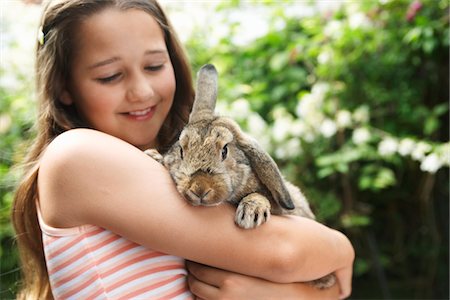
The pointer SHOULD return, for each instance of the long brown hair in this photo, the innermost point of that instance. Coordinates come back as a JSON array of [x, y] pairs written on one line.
[[53, 57]]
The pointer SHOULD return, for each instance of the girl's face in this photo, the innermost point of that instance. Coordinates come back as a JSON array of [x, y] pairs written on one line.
[[122, 81]]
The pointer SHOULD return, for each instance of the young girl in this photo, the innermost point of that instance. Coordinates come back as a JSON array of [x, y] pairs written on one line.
[[94, 215]]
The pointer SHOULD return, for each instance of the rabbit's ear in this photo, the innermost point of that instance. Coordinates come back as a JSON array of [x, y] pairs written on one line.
[[205, 95], [263, 165]]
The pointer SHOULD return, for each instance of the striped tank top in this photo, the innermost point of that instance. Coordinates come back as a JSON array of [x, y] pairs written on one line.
[[89, 262]]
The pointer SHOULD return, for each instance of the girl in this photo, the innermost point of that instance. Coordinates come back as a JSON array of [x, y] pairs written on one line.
[[94, 215]]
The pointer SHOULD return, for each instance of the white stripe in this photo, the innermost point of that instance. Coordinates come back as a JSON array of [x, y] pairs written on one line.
[[143, 265], [162, 289], [148, 280], [77, 281], [54, 247], [81, 262], [59, 242], [186, 295]]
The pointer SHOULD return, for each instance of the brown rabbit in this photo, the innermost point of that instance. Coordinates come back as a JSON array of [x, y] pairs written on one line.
[[214, 162]]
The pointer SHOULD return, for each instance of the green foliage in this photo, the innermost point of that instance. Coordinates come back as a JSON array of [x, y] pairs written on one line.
[[355, 110], [17, 115], [353, 105]]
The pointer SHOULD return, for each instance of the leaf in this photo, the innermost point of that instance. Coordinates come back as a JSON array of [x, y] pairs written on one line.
[[355, 220], [279, 61]]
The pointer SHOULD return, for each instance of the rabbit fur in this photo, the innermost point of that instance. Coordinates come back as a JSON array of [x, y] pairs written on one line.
[[213, 162]]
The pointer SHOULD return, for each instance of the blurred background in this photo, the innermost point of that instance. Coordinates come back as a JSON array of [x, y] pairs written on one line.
[[350, 97]]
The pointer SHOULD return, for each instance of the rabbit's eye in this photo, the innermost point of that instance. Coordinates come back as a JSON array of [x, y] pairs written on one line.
[[181, 152], [224, 152]]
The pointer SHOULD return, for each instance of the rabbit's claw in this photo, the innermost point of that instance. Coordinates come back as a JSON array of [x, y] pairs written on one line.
[[153, 153], [252, 211]]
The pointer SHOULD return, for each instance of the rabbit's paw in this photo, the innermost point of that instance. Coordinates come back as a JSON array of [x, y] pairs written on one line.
[[153, 153], [252, 211], [324, 282]]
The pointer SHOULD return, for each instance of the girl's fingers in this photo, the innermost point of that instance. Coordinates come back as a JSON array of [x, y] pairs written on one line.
[[206, 274], [200, 289]]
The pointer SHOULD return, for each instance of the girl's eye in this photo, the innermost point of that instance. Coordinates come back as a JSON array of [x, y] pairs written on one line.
[[154, 68], [109, 78]]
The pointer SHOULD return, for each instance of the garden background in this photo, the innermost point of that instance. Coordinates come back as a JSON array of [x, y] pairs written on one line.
[[350, 97]]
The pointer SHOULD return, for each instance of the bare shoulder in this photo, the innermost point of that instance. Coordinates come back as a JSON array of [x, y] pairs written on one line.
[[84, 142], [75, 150], [77, 167]]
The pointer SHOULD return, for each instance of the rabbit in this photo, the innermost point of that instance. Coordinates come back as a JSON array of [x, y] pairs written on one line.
[[214, 162]]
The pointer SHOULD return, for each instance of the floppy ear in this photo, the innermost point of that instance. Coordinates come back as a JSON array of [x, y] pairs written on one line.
[[205, 94], [263, 165]]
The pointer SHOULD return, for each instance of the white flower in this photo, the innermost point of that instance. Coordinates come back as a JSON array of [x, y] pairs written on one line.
[[240, 109], [289, 149], [361, 114], [5, 123], [343, 119], [256, 124], [360, 136], [324, 57], [320, 89], [420, 150], [308, 105], [298, 128], [280, 152], [358, 20], [387, 147], [333, 29], [406, 146], [328, 128], [223, 108], [280, 129], [431, 163], [309, 136], [445, 154]]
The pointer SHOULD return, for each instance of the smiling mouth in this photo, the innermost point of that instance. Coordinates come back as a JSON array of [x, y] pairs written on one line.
[[141, 114]]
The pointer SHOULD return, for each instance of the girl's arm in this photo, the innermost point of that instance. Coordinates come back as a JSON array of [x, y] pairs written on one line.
[[88, 177], [207, 282]]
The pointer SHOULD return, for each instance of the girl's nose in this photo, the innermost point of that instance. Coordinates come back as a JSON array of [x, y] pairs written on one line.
[[140, 89]]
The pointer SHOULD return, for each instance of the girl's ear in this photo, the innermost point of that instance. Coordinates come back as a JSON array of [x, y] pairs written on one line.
[[66, 98]]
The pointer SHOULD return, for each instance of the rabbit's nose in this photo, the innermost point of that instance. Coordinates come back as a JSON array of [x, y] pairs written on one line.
[[200, 193]]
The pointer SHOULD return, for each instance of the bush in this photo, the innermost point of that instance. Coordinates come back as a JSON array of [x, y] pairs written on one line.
[[351, 102]]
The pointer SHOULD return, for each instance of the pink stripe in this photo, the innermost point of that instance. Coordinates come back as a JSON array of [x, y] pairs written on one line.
[[139, 259], [74, 242], [175, 293], [136, 275], [55, 267], [83, 252], [109, 255], [79, 288], [126, 280], [141, 274], [130, 262], [151, 287]]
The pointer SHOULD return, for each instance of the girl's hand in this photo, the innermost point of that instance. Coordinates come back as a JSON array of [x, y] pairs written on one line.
[[211, 283]]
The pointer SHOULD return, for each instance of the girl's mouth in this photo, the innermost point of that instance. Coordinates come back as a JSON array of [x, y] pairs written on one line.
[[141, 115]]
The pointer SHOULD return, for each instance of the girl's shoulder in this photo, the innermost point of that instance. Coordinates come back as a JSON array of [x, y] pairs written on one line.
[[75, 147], [82, 138], [76, 166]]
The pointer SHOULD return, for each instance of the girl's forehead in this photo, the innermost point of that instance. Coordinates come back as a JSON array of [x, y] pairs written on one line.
[[113, 18], [113, 31]]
